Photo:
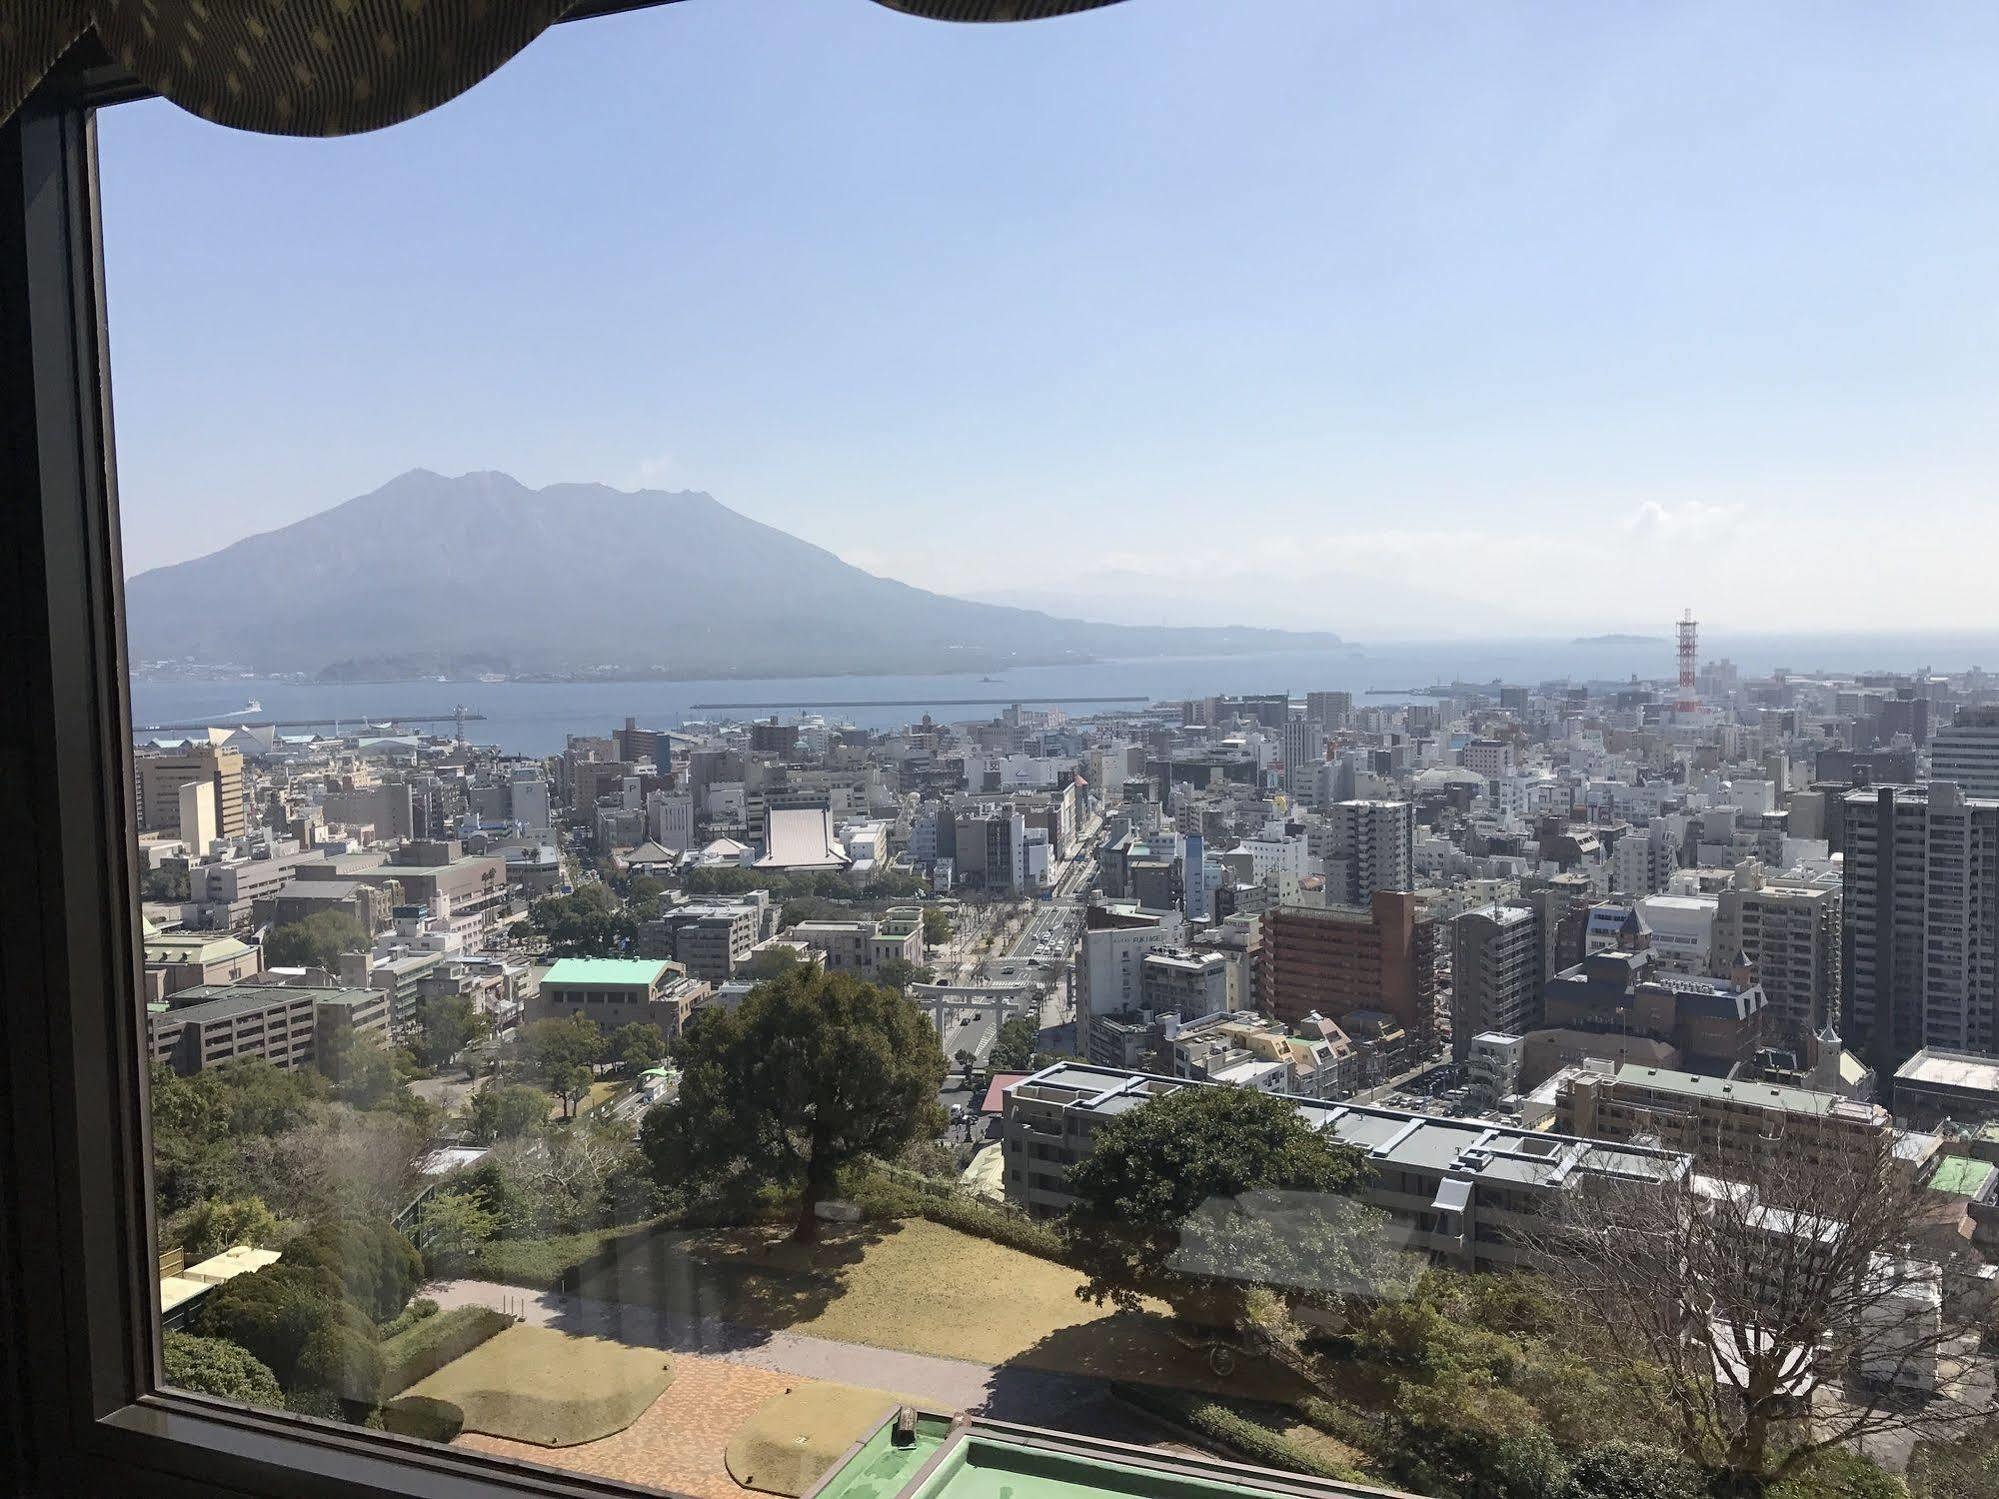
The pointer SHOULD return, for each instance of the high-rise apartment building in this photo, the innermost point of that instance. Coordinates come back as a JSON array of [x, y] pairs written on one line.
[[1791, 932], [162, 776], [1920, 942], [1373, 848], [1967, 752], [1304, 753], [1334, 960], [1333, 709], [1496, 974]]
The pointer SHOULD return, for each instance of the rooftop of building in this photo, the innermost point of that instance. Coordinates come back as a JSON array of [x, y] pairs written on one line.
[[1746, 1091], [972, 1458], [193, 947], [1963, 1175], [641, 972], [1397, 1137], [1503, 915], [207, 1002], [1951, 1069]]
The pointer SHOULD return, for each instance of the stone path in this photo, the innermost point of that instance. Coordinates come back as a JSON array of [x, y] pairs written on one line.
[[678, 1444]]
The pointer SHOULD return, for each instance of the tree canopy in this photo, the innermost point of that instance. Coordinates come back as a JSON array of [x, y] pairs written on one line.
[[899, 973], [316, 942], [811, 1072], [448, 1024], [504, 1111], [589, 923], [1013, 1047], [636, 1046], [1205, 1193], [216, 1366], [561, 1055]]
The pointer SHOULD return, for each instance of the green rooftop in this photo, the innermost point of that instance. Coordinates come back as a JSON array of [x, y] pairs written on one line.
[[1963, 1175], [980, 1459], [587, 971]]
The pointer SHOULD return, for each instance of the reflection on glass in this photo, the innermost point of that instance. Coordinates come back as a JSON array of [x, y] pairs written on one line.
[[712, 1001]]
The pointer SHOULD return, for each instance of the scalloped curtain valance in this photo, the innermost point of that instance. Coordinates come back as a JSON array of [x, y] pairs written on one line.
[[326, 67]]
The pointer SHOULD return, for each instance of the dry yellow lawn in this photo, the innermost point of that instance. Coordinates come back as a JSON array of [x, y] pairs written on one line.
[[911, 1285]]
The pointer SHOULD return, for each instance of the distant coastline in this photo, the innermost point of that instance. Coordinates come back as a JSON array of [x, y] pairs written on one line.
[[1619, 640]]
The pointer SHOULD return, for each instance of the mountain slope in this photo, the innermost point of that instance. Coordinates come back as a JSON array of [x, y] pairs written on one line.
[[434, 574]]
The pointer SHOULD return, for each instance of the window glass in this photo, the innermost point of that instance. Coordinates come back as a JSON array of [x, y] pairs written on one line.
[[1222, 728]]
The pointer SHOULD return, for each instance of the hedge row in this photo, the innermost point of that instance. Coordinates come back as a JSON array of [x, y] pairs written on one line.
[[435, 1342], [969, 1215], [1215, 1422], [542, 1263], [423, 1416]]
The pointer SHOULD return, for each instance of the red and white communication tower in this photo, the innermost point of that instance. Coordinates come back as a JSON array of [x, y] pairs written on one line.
[[1689, 657]]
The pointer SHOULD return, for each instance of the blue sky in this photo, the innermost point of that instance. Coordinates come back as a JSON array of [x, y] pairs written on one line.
[[1413, 320]]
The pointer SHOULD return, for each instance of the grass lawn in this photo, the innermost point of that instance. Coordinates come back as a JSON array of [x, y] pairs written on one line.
[[533, 1384], [795, 1437], [910, 1285]]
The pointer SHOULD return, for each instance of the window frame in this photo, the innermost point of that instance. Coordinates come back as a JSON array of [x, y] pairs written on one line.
[[85, 1408]]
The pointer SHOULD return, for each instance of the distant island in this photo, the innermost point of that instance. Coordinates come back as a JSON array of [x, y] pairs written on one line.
[[1619, 640], [479, 576]]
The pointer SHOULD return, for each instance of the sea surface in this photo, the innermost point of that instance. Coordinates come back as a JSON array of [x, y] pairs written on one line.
[[532, 718]]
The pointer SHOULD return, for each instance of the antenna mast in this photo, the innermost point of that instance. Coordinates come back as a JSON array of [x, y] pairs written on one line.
[[1689, 657]]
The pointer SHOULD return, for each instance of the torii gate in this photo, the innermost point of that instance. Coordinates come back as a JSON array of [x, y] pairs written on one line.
[[1004, 1000]]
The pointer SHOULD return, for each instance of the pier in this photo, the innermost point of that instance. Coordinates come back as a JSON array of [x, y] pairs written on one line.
[[355, 720]]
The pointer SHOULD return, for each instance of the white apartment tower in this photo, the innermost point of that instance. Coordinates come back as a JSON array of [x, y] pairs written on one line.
[[1304, 753], [1373, 848]]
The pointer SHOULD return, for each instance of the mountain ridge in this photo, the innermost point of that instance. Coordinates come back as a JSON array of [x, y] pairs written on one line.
[[432, 574]]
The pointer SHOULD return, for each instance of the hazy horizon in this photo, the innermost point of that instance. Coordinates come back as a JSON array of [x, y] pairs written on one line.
[[1523, 321]]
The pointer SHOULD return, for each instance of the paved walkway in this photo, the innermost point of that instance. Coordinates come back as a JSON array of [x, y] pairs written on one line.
[[1005, 1393], [680, 1441]]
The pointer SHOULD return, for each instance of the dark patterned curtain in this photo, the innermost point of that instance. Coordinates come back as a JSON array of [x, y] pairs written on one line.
[[327, 67]]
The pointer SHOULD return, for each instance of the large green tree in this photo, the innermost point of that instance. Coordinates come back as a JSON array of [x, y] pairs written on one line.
[[561, 1055], [636, 1046], [506, 1111], [813, 1071], [449, 1023], [1207, 1194], [316, 942], [589, 923], [1013, 1047], [899, 973]]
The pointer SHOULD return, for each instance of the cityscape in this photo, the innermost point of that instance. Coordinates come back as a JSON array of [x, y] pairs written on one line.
[[1540, 1088], [1177, 750]]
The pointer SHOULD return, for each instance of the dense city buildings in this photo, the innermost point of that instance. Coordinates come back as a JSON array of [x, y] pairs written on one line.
[[1501, 941]]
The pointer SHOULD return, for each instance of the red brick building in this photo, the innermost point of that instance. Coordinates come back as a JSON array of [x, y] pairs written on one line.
[[1337, 959]]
